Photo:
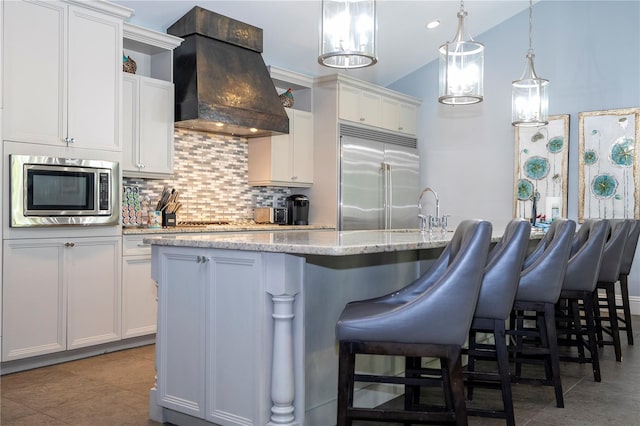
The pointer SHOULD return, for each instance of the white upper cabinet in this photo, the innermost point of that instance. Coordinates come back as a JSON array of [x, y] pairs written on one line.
[[399, 116], [360, 105], [147, 131], [371, 105], [148, 103], [62, 66], [285, 160]]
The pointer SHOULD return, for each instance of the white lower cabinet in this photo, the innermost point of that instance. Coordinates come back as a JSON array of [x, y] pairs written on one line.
[[139, 291], [212, 360], [59, 294]]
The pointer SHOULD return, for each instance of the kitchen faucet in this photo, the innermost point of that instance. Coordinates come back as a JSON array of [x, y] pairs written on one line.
[[434, 221]]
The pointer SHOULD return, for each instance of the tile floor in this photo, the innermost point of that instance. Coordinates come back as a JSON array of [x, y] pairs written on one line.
[[106, 390], [112, 389]]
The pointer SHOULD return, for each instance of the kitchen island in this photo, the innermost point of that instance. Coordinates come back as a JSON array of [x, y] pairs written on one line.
[[246, 321]]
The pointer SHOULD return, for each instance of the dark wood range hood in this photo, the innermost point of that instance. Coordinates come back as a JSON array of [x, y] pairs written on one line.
[[222, 83]]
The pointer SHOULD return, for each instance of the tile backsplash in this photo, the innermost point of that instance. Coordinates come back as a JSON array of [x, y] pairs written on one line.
[[211, 173]]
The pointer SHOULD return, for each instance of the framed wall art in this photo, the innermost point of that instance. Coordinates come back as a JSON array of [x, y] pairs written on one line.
[[608, 164], [542, 168]]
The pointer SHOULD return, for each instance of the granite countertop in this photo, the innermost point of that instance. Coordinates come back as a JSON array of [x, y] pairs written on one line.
[[219, 228], [319, 242]]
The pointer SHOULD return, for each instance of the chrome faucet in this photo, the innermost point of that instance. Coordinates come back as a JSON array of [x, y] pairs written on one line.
[[434, 221]]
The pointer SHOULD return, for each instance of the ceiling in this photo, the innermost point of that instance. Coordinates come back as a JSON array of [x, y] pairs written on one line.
[[291, 29]]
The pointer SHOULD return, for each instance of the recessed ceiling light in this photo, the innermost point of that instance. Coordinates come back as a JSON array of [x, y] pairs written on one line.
[[253, 130], [433, 24], [220, 124]]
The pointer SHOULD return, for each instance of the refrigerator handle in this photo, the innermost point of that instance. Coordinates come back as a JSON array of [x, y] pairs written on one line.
[[386, 194], [389, 196]]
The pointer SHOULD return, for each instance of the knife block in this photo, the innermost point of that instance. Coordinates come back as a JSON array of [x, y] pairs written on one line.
[[168, 219]]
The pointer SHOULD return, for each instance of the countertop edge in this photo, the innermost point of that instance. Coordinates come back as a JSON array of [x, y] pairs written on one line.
[[221, 229], [322, 242]]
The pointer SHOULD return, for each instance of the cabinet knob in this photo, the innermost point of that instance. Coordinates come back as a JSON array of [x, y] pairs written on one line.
[[362, 119], [69, 244], [141, 166], [202, 259], [294, 177], [69, 140]]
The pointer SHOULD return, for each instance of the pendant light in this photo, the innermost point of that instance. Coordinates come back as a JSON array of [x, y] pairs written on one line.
[[461, 68], [348, 34], [530, 96]]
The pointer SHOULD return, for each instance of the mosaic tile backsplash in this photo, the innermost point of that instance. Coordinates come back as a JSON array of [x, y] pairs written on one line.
[[211, 173]]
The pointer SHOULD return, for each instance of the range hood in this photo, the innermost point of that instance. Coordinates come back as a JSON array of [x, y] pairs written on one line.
[[222, 83]]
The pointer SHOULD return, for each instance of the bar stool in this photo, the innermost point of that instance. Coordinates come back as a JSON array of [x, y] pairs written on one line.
[[609, 274], [578, 288], [499, 285], [428, 318], [538, 292], [625, 268]]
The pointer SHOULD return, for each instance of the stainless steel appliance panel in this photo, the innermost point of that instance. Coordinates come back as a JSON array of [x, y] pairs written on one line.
[[379, 180], [361, 184], [51, 191], [404, 182]]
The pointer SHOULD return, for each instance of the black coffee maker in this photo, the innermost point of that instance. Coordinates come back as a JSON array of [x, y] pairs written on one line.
[[297, 209]]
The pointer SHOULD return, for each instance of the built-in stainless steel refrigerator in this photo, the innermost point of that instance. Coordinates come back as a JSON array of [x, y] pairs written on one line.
[[379, 180]]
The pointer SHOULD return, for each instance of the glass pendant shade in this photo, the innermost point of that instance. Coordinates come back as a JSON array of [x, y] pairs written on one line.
[[348, 34], [461, 69], [530, 94], [530, 98]]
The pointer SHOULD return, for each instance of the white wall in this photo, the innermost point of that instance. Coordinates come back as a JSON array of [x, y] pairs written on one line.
[[590, 53]]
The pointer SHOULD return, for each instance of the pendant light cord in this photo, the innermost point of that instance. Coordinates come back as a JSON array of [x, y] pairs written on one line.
[[530, 25]]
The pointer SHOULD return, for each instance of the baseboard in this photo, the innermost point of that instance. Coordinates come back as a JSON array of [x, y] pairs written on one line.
[[75, 354], [634, 304]]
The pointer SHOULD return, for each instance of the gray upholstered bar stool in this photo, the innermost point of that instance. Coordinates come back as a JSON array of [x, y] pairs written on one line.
[[538, 292], [498, 291], [609, 274], [625, 269], [428, 318], [578, 289]]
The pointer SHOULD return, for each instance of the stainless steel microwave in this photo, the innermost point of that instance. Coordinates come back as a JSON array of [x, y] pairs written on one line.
[[49, 191]]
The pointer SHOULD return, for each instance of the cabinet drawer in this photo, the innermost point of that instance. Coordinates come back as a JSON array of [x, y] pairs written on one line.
[[132, 245]]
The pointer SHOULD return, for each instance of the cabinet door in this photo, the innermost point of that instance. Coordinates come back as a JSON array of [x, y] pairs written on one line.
[[303, 147], [281, 158], [349, 103], [130, 131], [156, 125], [235, 339], [92, 270], [282, 152], [180, 341], [95, 68], [370, 108], [34, 298], [34, 83], [139, 297], [408, 118], [391, 114]]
